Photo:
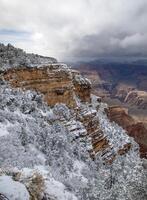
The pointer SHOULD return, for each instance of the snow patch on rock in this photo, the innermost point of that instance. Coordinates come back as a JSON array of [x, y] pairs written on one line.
[[12, 189]]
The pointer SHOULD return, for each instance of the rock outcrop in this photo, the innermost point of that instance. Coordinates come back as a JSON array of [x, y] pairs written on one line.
[[137, 98], [82, 88], [53, 81], [139, 132], [56, 82], [120, 116], [88, 117], [121, 91]]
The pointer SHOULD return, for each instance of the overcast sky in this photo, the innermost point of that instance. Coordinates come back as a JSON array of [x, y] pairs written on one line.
[[76, 29]]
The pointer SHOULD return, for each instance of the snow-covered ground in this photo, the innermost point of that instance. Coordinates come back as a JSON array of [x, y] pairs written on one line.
[[13, 189]]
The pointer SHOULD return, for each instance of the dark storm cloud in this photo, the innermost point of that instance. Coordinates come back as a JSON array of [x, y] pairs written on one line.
[[108, 44], [80, 29]]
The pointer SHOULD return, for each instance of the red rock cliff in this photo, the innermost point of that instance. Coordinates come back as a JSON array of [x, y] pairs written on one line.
[[59, 84], [55, 81]]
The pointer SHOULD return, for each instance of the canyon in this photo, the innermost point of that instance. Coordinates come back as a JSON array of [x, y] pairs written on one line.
[[117, 80], [60, 141], [60, 84]]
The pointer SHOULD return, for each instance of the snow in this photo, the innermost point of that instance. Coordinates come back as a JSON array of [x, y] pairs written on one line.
[[82, 80], [3, 130], [13, 190], [40, 139], [115, 134], [57, 190], [39, 155], [27, 172], [78, 167], [53, 188], [14, 57]]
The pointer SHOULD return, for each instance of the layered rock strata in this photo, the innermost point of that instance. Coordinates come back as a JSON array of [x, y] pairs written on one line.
[[137, 98], [60, 84], [56, 82]]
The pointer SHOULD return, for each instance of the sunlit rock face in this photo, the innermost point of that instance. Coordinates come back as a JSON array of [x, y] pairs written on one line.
[[56, 81], [53, 81], [82, 87]]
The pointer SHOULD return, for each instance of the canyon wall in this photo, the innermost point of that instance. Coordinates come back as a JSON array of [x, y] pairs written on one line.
[[55, 81], [137, 130], [60, 84]]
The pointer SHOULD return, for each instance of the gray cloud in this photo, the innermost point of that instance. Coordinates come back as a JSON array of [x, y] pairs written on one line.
[[77, 29]]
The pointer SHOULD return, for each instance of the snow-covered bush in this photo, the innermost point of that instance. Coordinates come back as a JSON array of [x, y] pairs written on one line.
[[15, 57]]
